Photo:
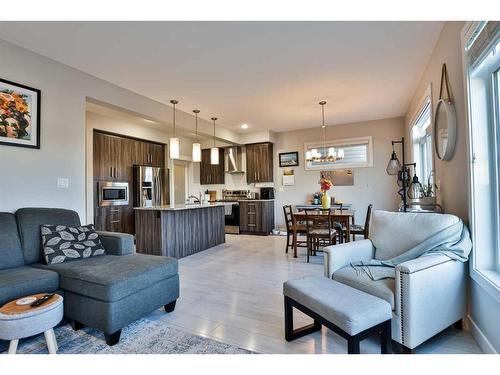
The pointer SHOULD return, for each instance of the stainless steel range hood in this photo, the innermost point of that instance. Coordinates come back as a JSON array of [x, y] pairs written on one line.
[[233, 160]]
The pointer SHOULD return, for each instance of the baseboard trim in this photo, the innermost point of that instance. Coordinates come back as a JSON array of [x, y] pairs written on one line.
[[480, 337]]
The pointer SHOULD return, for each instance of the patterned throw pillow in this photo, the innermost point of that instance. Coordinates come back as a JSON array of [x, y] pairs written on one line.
[[61, 243]]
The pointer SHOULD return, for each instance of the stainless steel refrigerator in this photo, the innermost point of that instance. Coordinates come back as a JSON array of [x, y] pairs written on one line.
[[150, 186]]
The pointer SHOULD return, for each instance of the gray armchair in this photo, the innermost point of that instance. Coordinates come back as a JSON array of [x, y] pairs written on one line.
[[427, 294]]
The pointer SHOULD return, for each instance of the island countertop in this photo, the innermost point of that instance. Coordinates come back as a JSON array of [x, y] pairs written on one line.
[[180, 207]]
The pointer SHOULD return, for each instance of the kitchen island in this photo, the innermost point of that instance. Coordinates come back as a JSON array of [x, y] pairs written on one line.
[[180, 230]]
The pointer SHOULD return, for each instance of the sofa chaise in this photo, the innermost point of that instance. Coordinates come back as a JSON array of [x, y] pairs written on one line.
[[105, 292]]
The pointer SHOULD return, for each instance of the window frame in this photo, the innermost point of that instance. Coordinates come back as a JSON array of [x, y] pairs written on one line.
[[338, 143], [487, 278], [417, 157]]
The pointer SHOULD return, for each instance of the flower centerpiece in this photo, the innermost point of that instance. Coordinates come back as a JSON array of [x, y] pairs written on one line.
[[326, 184]]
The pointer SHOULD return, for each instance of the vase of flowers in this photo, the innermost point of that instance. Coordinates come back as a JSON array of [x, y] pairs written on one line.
[[326, 185]]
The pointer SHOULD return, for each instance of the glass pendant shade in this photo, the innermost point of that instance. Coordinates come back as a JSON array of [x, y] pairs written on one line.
[[174, 148], [340, 154], [394, 166], [196, 152], [331, 152], [415, 189], [214, 156]]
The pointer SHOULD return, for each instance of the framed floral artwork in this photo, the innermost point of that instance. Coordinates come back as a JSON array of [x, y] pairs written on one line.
[[19, 115]]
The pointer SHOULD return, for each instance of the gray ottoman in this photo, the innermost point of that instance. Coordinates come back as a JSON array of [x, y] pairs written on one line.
[[349, 312], [20, 321]]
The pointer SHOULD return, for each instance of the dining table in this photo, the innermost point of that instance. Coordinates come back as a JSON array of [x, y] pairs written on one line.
[[344, 217]]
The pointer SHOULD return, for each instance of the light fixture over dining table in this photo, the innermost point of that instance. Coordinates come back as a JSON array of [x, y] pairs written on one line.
[[328, 155]]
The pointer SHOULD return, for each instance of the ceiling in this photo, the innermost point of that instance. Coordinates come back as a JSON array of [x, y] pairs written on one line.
[[269, 75]]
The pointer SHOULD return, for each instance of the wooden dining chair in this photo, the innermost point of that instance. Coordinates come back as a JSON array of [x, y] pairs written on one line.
[[320, 229], [291, 225], [362, 229]]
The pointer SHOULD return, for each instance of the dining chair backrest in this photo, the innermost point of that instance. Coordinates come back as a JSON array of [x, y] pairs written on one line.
[[287, 210], [318, 218], [367, 220]]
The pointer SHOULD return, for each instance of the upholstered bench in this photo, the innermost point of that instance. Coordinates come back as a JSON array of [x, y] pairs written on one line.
[[349, 312]]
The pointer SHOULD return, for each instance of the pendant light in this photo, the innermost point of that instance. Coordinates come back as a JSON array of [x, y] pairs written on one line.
[[214, 151], [331, 155], [415, 189], [394, 166], [174, 141], [196, 144]]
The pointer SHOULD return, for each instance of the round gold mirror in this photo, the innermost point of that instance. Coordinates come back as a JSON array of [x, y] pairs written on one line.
[[445, 129]]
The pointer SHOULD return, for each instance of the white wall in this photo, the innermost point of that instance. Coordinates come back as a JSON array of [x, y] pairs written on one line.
[[371, 185], [28, 177], [484, 310]]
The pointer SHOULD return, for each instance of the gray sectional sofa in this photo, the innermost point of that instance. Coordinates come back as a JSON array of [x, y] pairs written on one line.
[[106, 292]]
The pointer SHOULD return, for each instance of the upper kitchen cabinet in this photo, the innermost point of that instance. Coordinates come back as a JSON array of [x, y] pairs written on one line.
[[109, 157], [147, 153], [211, 174], [259, 162]]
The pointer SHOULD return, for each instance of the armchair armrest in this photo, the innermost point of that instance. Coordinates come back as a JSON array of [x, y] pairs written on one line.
[[422, 263], [117, 243], [430, 295], [339, 256]]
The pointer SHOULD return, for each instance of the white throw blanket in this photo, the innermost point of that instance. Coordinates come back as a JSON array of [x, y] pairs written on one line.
[[453, 241]]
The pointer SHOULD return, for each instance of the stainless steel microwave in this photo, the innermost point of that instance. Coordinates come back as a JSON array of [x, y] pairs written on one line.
[[113, 193]]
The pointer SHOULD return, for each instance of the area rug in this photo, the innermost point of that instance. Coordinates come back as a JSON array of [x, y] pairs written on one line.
[[141, 337]]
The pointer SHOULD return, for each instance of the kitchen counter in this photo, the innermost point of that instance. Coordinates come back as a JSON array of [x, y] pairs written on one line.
[[255, 200], [180, 230], [180, 207]]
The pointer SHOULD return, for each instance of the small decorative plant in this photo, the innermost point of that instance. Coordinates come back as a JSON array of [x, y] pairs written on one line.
[[429, 189]]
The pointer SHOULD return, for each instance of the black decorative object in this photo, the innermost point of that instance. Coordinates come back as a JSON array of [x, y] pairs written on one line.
[[61, 243], [19, 115], [289, 159], [411, 189]]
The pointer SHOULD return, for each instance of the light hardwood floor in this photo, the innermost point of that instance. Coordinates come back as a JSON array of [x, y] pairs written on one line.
[[233, 293]]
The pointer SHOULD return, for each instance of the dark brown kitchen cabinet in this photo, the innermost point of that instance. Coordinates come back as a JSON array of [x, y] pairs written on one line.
[[114, 159], [114, 219], [259, 162], [256, 217], [211, 174]]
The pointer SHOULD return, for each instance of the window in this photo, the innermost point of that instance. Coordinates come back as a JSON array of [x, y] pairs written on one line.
[[421, 133], [482, 62], [358, 152]]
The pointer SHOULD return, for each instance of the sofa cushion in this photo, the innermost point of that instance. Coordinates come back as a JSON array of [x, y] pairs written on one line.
[[394, 233], [22, 281], [62, 243], [11, 254], [110, 278], [29, 221], [358, 279]]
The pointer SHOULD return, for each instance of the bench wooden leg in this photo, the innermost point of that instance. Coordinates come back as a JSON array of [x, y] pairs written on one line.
[[292, 334], [352, 346], [386, 338]]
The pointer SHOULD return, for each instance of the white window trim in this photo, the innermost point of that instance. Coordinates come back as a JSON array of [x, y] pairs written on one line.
[[342, 142], [489, 280], [427, 96]]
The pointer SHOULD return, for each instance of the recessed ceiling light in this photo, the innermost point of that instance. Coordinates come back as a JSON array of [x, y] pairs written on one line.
[[244, 126]]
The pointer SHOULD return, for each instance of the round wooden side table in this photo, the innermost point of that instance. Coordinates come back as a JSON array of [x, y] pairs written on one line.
[[20, 321]]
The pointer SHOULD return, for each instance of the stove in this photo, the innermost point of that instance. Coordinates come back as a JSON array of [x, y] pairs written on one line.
[[234, 195], [232, 215]]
